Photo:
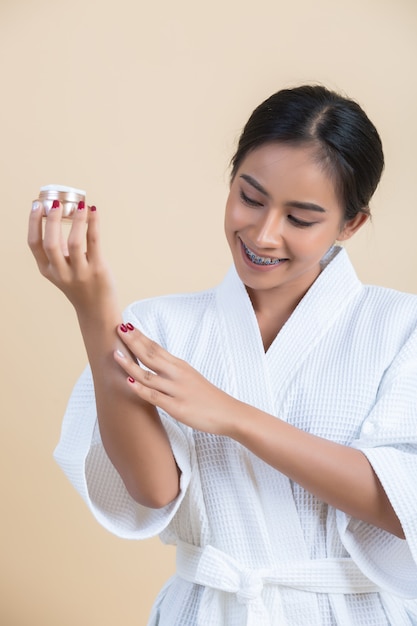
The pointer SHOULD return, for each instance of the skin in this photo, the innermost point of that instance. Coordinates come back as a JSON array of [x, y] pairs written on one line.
[[277, 182], [132, 433], [281, 205]]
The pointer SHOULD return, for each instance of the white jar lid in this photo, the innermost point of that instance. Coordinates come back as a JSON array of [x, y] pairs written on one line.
[[63, 189]]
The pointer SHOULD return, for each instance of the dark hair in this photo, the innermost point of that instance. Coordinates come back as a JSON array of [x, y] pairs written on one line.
[[348, 145]]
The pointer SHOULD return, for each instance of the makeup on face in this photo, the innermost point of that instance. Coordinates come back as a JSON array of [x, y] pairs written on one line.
[[69, 197], [282, 215]]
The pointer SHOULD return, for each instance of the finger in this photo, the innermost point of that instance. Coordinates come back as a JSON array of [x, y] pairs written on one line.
[[93, 235], [35, 239], [53, 236], [77, 238], [152, 396], [150, 353], [145, 377]]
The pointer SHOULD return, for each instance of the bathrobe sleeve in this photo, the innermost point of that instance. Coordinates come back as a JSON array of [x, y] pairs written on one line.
[[388, 438], [81, 455]]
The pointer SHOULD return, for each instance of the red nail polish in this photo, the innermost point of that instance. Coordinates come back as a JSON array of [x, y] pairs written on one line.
[[93, 208], [130, 326], [131, 380], [55, 204], [81, 205], [123, 328]]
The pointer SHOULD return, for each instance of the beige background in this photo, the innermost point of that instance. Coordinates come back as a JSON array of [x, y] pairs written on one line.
[[141, 104]]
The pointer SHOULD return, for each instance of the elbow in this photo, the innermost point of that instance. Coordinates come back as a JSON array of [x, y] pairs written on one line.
[[154, 497], [397, 530], [153, 500]]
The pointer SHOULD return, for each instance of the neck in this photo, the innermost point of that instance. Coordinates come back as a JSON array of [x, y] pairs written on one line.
[[273, 307], [272, 314]]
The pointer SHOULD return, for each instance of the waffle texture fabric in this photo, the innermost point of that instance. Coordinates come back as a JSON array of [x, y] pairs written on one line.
[[253, 547]]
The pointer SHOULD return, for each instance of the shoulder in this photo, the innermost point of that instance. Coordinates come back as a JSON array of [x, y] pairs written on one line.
[[380, 305], [390, 303], [172, 315], [174, 304], [389, 314]]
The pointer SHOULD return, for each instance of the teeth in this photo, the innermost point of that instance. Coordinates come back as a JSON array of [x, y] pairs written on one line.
[[260, 260]]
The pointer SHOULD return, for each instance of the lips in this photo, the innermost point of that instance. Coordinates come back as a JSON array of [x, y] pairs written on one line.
[[260, 260]]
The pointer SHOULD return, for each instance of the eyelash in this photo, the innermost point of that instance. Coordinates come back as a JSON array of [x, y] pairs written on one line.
[[249, 201], [300, 223], [254, 203]]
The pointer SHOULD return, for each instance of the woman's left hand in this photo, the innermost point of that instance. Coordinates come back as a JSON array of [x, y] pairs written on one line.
[[173, 385], [337, 474]]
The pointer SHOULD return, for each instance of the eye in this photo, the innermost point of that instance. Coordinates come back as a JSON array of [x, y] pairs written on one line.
[[299, 223], [249, 201]]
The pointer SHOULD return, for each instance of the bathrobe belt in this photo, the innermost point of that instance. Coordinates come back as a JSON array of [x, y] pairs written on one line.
[[218, 571]]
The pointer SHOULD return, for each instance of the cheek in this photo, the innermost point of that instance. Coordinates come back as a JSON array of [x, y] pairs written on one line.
[[235, 216], [228, 226], [229, 218], [317, 243], [311, 243]]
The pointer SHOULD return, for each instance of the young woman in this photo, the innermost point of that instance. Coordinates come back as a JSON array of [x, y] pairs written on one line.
[[267, 427]]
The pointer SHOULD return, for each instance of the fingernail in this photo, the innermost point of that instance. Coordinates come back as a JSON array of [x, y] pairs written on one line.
[[130, 326], [93, 208], [55, 204], [81, 205], [36, 205], [123, 328], [131, 380], [120, 353]]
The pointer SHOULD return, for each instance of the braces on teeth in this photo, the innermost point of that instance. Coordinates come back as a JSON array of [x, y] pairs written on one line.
[[260, 260]]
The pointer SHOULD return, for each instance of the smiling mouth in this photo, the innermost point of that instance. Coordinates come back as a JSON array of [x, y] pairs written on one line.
[[260, 260]]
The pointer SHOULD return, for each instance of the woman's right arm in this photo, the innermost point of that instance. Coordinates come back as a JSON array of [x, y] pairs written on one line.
[[131, 430]]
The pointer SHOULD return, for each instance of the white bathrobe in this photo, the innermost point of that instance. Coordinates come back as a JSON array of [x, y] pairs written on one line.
[[254, 548]]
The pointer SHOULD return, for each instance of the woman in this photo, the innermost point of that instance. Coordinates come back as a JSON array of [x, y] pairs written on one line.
[[267, 427]]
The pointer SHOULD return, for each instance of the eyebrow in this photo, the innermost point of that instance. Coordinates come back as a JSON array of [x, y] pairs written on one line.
[[308, 206], [254, 183]]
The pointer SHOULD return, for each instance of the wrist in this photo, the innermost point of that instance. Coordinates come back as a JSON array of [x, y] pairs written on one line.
[[239, 417], [250, 427], [98, 327], [99, 315]]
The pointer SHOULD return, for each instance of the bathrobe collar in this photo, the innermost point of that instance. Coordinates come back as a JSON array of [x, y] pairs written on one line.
[[260, 378]]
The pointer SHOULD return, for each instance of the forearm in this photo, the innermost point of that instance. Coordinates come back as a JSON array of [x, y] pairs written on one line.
[[131, 430], [337, 474], [132, 433]]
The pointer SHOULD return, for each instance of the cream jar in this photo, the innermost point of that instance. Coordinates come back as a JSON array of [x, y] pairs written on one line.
[[68, 196]]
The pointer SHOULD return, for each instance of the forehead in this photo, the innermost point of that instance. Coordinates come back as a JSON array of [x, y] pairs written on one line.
[[290, 170]]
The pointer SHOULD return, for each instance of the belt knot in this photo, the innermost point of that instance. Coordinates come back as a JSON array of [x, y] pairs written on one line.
[[250, 586]]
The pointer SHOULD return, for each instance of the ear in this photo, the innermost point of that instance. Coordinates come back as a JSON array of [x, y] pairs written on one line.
[[352, 226]]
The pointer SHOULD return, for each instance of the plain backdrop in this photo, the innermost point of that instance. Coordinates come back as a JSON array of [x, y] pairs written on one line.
[[141, 104]]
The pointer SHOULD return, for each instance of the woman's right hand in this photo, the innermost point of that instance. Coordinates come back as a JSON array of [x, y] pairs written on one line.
[[130, 428], [74, 264]]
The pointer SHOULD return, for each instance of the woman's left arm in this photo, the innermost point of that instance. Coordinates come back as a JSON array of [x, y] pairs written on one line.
[[338, 475]]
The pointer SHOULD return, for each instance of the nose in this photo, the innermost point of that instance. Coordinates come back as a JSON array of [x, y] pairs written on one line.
[[269, 230]]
